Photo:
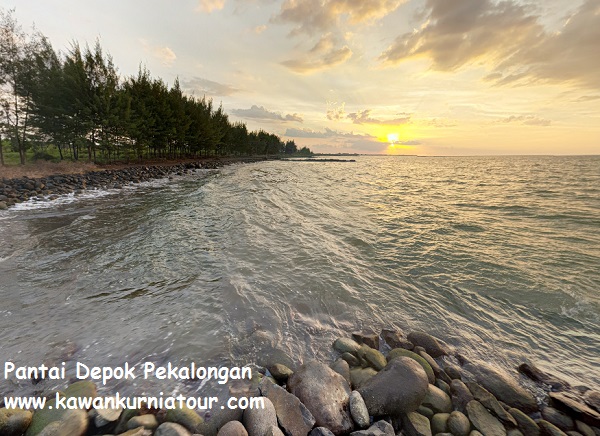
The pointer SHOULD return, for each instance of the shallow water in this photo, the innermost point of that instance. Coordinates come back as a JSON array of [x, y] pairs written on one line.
[[498, 256]]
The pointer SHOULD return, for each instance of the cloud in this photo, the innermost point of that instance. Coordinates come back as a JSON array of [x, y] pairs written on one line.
[[327, 133], [585, 98], [412, 142], [508, 38], [201, 86], [260, 29], [164, 54], [324, 54], [527, 120], [312, 16], [364, 117], [208, 6], [436, 122], [259, 112], [335, 111]]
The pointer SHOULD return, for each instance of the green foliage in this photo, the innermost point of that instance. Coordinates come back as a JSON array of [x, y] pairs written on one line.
[[78, 105]]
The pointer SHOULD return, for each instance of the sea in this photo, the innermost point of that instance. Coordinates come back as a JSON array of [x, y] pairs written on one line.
[[499, 257]]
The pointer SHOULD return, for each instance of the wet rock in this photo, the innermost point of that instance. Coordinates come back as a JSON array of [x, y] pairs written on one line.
[[483, 420], [342, 368], [280, 372], [274, 431], [397, 352], [171, 429], [584, 429], [320, 431], [431, 345], [437, 400], [82, 389], [258, 421], [459, 424], [293, 416], [374, 358], [325, 393], [14, 422], [233, 428], [443, 386], [186, 417], [558, 418], [514, 432], [352, 360], [380, 428], [491, 403], [453, 371], [148, 421], [214, 419], [140, 431], [549, 429], [44, 417], [371, 339], [414, 424], [73, 423], [358, 410], [426, 411], [503, 386], [432, 363], [395, 339], [398, 388], [461, 395], [359, 376], [534, 373], [592, 399], [345, 345], [439, 423], [527, 425], [3, 205], [104, 417], [576, 407]]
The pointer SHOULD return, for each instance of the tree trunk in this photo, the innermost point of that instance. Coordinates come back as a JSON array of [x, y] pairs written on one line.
[[1, 152]]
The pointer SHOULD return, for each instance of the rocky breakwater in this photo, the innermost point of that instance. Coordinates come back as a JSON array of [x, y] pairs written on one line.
[[13, 191], [379, 385]]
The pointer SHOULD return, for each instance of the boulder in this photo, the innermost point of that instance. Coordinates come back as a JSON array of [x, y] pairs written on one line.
[[503, 386], [397, 352], [459, 424], [73, 423], [320, 431], [325, 393], [374, 358], [592, 399], [461, 395], [549, 429], [575, 406], [342, 368], [380, 428], [527, 425], [483, 421], [415, 424], [491, 403], [186, 417], [439, 423], [428, 342], [370, 339], [258, 421], [346, 345], [149, 422], [293, 416], [14, 422], [584, 429], [397, 389], [437, 400], [233, 428], [351, 359], [359, 376], [534, 373], [280, 372], [171, 429], [358, 410], [558, 418]]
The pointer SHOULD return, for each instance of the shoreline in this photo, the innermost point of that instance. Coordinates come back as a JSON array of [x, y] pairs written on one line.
[[20, 189], [380, 384]]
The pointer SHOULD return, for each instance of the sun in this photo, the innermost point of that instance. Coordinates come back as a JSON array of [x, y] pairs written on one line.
[[393, 138]]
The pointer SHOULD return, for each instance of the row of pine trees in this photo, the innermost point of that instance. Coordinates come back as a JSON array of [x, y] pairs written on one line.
[[78, 103]]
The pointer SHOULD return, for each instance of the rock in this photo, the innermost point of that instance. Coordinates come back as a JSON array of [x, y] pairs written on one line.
[[14, 422], [148, 421], [491, 403], [426, 411], [140, 431], [217, 418], [82, 389], [415, 424], [483, 421], [233, 428], [171, 429], [73, 423], [439, 423], [186, 417], [350, 359], [527, 425], [431, 344], [292, 414], [453, 371], [461, 395], [345, 345], [359, 376], [432, 363], [280, 372], [374, 358], [534, 373], [380, 428], [592, 399], [549, 429], [358, 410], [274, 431], [574, 433], [584, 429], [514, 432], [106, 416], [459, 424], [325, 393], [396, 352], [43, 417], [576, 407], [437, 400], [558, 418], [397, 389], [443, 386], [320, 431], [503, 386], [371, 339], [342, 368], [3, 205], [126, 415], [258, 421]]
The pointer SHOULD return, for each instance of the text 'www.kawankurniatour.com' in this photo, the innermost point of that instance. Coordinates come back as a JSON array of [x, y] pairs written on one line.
[[146, 370]]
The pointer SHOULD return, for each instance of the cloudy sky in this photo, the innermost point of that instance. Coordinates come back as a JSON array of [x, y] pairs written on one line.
[[428, 77]]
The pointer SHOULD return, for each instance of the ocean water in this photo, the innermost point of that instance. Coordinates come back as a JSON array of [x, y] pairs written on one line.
[[497, 256]]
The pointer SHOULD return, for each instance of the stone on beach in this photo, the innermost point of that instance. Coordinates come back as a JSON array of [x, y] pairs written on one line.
[[233, 428], [397, 352], [14, 422], [437, 400], [415, 424], [325, 393], [483, 420], [258, 421], [428, 342], [459, 424], [397, 389], [358, 410], [527, 425], [346, 345], [292, 415]]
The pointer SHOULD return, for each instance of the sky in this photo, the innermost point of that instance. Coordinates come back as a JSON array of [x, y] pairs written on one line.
[[424, 77]]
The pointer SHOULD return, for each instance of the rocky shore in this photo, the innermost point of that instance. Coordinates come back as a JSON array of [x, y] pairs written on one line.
[[380, 384], [13, 191]]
